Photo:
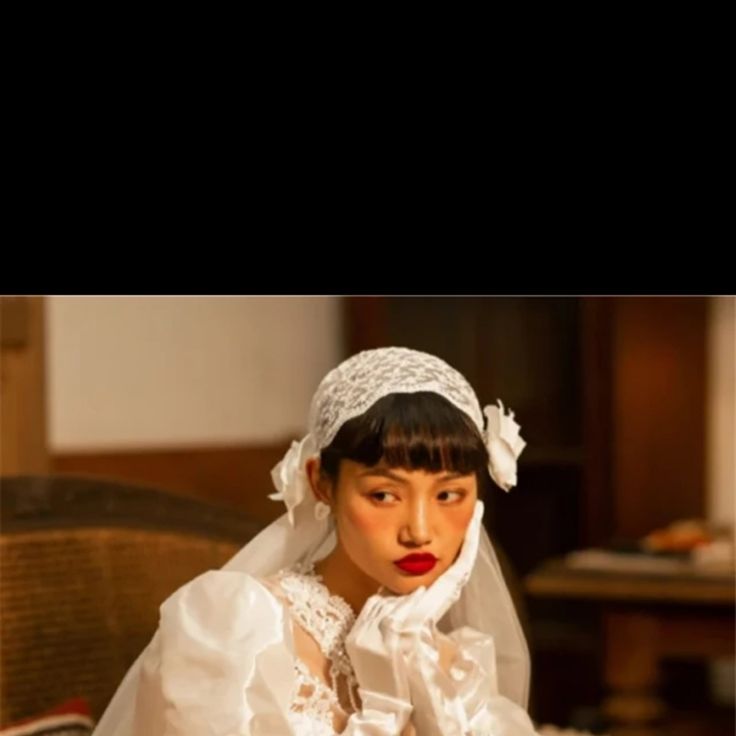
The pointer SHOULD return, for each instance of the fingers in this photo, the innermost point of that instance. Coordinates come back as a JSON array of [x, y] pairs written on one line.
[[377, 613], [374, 648], [398, 620], [366, 622]]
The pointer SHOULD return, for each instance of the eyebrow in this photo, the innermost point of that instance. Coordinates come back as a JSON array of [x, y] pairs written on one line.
[[385, 473]]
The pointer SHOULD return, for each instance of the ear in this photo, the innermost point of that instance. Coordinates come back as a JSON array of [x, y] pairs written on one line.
[[320, 485]]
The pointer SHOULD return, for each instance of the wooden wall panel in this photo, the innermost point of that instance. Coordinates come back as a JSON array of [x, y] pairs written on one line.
[[239, 477], [658, 437], [22, 386]]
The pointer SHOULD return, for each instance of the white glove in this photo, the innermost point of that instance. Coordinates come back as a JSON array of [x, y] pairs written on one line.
[[374, 639], [377, 665], [393, 630], [438, 705], [375, 655]]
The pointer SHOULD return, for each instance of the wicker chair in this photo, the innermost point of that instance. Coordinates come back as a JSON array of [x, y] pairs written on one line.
[[84, 567]]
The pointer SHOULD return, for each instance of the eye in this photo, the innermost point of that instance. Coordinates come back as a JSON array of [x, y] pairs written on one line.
[[382, 498], [458, 496]]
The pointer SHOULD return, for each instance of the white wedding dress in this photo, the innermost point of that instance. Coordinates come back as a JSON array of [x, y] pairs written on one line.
[[239, 656], [257, 648]]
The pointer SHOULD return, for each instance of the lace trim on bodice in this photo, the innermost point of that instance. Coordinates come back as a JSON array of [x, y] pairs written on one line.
[[327, 619], [313, 698]]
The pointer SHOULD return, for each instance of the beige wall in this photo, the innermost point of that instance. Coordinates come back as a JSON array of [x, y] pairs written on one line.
[[128, 372]]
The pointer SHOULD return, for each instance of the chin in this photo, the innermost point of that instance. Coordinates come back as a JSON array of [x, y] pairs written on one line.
[[405, 584], [404, 587]]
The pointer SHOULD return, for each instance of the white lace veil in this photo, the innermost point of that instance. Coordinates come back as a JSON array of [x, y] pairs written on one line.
[[306, 531]]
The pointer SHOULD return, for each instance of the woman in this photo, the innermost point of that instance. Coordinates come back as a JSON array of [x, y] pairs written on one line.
[[375, 605]]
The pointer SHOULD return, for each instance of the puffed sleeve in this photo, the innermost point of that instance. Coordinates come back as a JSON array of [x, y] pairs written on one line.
[[464, 700], [220, 663]]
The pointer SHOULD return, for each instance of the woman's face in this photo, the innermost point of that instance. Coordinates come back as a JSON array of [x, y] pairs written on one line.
[[385, 514]]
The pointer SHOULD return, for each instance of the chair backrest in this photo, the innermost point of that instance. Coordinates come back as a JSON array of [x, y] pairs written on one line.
[[84, 566]]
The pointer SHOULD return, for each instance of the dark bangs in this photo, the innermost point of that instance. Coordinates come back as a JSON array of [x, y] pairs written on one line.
[[417, 431]]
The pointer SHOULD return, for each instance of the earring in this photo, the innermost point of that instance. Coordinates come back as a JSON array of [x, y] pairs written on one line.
[[321, 510]]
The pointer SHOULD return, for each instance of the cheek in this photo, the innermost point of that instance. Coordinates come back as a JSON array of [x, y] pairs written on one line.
[[365, 538], [361, 521], [457, 525], [458, 520]]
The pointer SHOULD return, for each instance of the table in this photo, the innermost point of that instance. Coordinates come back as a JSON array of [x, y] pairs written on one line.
[[646, 616]]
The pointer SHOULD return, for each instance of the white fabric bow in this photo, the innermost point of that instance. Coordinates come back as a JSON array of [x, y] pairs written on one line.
[[504, 445], [290, 478]]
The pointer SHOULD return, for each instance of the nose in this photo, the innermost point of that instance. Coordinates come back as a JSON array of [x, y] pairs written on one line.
[[417, 526]]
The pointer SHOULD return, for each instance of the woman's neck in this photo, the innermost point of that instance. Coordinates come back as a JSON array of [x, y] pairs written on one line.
[[341, 577]]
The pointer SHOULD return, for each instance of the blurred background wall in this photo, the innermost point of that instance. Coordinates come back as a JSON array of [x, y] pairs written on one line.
[[197, 395], [180, 371]]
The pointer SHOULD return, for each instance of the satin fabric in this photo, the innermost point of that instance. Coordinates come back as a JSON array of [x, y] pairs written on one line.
[[222, 664]]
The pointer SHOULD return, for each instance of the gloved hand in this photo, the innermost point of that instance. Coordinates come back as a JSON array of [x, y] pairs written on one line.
[[379, 667], [376, 662], [373, 639], [390, 627], [438, 704]]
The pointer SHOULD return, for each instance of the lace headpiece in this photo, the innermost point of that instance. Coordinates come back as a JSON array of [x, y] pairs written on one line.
[[357, 383]]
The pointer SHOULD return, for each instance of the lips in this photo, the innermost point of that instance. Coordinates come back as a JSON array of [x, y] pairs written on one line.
[[416, 564]]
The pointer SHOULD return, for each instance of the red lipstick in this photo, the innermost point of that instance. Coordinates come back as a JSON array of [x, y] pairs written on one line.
[[417, 564]]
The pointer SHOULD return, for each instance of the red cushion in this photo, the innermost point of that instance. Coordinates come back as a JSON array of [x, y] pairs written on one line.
[[70, 718]]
